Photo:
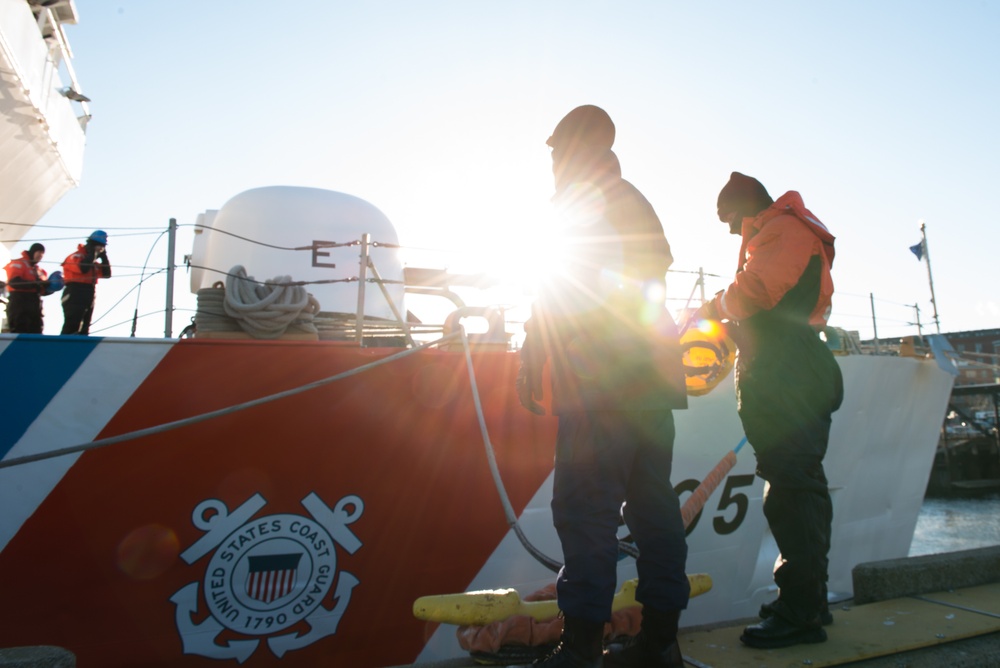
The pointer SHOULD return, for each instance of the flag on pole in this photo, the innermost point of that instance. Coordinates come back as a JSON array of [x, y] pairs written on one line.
[[918, 250]]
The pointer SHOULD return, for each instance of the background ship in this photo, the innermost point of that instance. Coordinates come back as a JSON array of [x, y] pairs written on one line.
[[43, 112]]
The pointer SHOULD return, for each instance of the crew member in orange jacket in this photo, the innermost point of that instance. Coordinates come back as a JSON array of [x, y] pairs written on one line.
[[81, 270], [26, 282], [788, 385]]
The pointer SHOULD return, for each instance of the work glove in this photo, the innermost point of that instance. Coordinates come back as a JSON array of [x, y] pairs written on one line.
[[529, 388], [104, 257], [710, 311]]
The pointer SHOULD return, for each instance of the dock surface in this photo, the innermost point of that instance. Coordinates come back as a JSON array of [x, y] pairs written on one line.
[[934, 610], [882, 629]]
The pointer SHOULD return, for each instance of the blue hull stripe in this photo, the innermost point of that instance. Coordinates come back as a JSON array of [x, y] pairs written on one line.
[[34, 370]]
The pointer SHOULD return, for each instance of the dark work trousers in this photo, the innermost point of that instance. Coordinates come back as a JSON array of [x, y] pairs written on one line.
[[799, 512], [24, 313], [604, 458], [787, 395], [78, 307]]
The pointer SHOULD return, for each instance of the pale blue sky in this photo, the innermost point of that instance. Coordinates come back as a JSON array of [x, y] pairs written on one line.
[[880, 113]]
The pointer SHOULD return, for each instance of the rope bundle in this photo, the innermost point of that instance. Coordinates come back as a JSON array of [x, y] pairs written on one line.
[[266, 310], [211, 315]]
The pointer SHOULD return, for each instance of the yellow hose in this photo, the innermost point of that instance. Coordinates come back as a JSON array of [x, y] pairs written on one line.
[[478, 608]]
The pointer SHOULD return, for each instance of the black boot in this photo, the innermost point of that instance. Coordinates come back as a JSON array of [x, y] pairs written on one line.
[[809, 603], [655, 646], [825, 616], [783, 628], [580, 646]]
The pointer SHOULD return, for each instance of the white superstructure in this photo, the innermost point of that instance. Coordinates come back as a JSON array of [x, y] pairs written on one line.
[[306, 234], [43, 113]]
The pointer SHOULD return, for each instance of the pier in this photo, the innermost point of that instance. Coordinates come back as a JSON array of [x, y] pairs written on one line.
[[969, 463]]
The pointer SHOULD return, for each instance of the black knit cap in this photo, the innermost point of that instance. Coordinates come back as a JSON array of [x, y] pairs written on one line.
[[587, 127], [36, 247], [744, 194]]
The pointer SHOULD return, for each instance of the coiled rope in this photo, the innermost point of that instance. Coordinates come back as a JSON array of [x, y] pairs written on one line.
[[266, 310]]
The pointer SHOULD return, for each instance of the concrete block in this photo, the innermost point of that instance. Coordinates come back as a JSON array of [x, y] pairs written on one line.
[[911, 576], [40, 656]]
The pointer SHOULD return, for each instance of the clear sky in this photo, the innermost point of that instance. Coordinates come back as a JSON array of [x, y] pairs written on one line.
[[881, 114]]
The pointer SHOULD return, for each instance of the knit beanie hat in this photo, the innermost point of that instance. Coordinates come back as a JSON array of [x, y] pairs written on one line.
[[744, 194], [36, 247], [587, 127]]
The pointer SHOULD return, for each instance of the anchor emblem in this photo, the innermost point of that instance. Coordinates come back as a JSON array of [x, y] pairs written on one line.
[[266, 575]]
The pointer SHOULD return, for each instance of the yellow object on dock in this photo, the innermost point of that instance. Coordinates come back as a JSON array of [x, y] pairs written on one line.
[[479, 608]]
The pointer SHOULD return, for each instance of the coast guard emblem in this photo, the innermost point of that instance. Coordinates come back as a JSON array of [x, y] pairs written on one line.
[[265, 576]]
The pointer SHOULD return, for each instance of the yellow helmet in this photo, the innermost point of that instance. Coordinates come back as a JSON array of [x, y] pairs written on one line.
[[708, 355]]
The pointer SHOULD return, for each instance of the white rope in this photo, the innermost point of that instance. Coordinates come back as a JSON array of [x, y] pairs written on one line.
[[508, 509], [266, 310], [491, 459]]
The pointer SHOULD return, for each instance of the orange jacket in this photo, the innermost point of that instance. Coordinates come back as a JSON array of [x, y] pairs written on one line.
[[23, 271], [72, 273], [777, 246]]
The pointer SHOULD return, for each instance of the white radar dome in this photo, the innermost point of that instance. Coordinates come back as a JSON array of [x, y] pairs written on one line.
[[256, 228]]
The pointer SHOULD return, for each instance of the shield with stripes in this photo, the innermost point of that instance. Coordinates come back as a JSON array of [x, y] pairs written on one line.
[[272, 576]]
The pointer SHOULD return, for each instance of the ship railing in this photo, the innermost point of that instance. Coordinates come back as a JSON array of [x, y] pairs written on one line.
[[501, 331], [50, 17]]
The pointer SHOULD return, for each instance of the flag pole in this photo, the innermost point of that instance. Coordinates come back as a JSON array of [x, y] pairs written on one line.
[[930, 277]]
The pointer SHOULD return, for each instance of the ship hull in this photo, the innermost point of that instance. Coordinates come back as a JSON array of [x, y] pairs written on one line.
[[300, 530]]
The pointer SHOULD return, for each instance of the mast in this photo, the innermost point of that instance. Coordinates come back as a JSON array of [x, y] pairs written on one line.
[[871, 297], [168, 324], [930, 277]]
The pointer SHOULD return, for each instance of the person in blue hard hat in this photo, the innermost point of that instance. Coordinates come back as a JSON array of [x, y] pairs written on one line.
[[616, 375], [26, 283], [81, 271]]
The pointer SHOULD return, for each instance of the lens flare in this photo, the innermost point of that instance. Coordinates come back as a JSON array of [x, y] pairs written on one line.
[[655, 292], [148, 551], [710, 327]]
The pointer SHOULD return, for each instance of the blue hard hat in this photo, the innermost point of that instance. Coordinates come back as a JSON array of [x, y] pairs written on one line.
[[56, 283], [99, 237]]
